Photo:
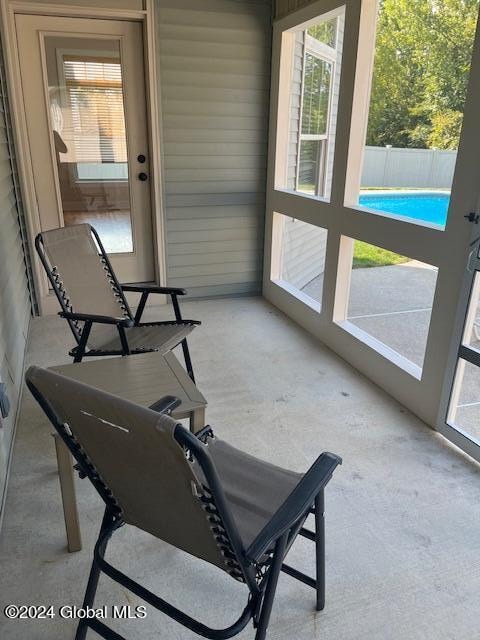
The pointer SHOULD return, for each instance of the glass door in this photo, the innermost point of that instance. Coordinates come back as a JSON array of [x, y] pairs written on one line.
[[463, 415], [87, 116], [85, 106]]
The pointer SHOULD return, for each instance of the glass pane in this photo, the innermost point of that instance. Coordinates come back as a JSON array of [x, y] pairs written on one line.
[[325, 32], [88, 124], [391, 298], [465, 402], [312, 104], [316, 95], [310, 166], [471, 334], [422, 62], [301, 258]]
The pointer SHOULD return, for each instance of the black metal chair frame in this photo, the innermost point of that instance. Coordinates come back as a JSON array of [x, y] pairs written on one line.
[[258, 566], [82, 333]]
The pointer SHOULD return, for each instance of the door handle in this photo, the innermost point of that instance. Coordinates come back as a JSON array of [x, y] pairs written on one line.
[[142, 176]]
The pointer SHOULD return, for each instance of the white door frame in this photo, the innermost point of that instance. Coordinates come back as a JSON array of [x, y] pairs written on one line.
[[463, 322], [146, 16], [448, 250]]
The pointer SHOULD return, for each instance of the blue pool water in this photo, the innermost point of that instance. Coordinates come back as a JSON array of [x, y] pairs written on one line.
[[427, 207]]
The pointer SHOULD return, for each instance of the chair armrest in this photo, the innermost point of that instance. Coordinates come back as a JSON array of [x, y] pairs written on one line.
[[146, 290], [166, 404], [204, 434], [89, 317], [297, 504], [153, 288]]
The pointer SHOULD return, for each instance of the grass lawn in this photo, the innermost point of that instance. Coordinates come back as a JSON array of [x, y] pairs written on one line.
[[367, 255]]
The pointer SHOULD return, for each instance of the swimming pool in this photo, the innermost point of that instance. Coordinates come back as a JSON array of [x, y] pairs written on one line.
[[426, 206]]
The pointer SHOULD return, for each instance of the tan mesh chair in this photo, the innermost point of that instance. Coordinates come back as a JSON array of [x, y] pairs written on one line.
[[93, 301], [195, 492]]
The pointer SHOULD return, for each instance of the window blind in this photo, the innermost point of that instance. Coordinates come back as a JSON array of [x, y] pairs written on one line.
[[95, 93]]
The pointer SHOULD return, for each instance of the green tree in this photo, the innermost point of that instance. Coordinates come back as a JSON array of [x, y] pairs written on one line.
[[422, 60]]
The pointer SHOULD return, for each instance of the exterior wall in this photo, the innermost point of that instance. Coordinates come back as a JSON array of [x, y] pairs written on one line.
[[392, 167], [214, 81], [304, 248], [295, 108], [215, 74], [15, 309], [107, 4]]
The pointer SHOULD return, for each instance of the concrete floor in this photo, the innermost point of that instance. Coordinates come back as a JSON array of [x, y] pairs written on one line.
[[403, 512]]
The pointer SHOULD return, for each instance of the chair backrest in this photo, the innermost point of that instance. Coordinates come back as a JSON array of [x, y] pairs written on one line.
[[131, 450], [82, 278]]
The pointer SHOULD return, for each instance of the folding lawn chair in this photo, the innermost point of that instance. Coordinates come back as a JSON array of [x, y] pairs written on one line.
[[195, 492], [94, 304]]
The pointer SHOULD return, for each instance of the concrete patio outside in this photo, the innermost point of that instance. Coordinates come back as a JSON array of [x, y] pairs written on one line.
[[403, 512], [391, 303]]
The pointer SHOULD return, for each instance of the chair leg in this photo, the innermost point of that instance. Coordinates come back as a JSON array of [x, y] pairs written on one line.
[[320, 549], [271, 587], [92, 586], [82, 345], [188, 361], [88, 600]]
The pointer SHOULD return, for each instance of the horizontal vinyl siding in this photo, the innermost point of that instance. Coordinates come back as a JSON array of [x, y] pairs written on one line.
[[214, 69], [15, 306], [283, 7], [295, 109], [304, 248], [104, 4]]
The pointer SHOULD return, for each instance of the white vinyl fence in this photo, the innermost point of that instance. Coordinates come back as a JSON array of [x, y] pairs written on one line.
[[419, 168]]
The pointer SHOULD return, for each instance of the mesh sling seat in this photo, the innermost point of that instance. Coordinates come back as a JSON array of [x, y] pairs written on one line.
[[93, 301], [195, 492]]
